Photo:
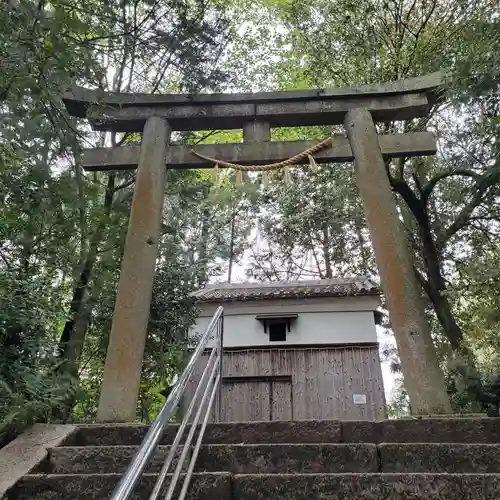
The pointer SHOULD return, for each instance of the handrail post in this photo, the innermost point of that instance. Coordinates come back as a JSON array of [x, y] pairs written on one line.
[[142, 457], [221, 365]]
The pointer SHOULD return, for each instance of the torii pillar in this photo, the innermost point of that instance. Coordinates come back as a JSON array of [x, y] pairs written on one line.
[[422, 375], [122, 371]]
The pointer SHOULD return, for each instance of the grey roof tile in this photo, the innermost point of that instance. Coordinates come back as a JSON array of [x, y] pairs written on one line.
[[334, 287]]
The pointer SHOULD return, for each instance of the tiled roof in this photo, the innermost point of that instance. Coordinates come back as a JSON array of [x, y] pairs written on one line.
[[334, 287]]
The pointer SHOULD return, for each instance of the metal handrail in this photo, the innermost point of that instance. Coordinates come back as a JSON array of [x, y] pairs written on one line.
[[210, 384]]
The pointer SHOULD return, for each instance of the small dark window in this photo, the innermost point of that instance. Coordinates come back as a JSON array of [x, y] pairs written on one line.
[[276, 325], [277, 331]]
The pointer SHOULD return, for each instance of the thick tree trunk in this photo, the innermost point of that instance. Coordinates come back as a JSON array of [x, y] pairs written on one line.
[[436, 285], [74, 349], [445, 316]]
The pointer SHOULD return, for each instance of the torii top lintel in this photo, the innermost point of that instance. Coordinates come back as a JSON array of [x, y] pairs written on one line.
[[120, 112]]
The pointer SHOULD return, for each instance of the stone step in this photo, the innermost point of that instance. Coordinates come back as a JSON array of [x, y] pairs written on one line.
[[99, 486], [290, 458], [237, 459], [367, 487], [438, 457], [445, 430], [425, 430], [275, 487], [309, 431]]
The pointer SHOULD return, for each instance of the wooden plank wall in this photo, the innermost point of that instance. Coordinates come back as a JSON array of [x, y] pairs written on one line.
[[323, 383]]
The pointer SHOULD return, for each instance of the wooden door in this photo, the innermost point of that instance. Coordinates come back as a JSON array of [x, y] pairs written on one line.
[[256, 399], [246, 401]]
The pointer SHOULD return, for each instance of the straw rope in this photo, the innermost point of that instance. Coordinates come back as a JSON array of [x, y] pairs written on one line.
[[270, 166]]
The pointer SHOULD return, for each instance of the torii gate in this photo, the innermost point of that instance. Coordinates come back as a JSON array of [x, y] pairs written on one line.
[[356, 107]]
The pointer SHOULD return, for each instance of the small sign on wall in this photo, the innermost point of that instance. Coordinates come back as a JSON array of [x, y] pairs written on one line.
[[359, 399]]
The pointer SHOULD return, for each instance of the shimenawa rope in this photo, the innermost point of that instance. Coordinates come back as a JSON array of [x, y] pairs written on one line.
[[271, 166]]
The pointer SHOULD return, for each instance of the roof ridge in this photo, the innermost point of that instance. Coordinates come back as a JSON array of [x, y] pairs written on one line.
[[329, 287]]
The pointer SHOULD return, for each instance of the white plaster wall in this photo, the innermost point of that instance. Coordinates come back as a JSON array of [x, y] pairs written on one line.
[[319, 322]]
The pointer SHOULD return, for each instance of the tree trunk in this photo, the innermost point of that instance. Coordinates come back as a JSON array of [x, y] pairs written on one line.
[[203, 247], [11, 337], [81, 199], [363, 252], [445, 316], [231, 248], [74, 349], [67, 342], [436, 286], [326, 252]]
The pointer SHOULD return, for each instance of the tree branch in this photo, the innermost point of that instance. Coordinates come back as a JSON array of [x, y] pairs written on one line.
[[486, 181], [416, 206], [429, 186], [423, 282], [124, 185]]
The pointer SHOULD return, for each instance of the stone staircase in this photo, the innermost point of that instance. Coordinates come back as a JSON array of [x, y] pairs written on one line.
[[415, 459]]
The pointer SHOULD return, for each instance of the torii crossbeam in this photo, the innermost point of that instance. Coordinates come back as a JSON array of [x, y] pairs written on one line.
[[157, 115]]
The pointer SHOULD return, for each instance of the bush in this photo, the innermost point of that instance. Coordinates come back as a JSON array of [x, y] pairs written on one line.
[[37, 397]]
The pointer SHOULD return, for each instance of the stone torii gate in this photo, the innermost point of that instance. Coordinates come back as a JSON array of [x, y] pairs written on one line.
[[358, 108]]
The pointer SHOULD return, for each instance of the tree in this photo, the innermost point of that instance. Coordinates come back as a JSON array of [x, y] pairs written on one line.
[[376, 41], [151, 48], [63, 236], [327, 237]]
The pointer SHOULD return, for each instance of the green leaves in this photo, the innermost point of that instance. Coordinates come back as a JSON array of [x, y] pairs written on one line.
[[326, 237], [62, 231]]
